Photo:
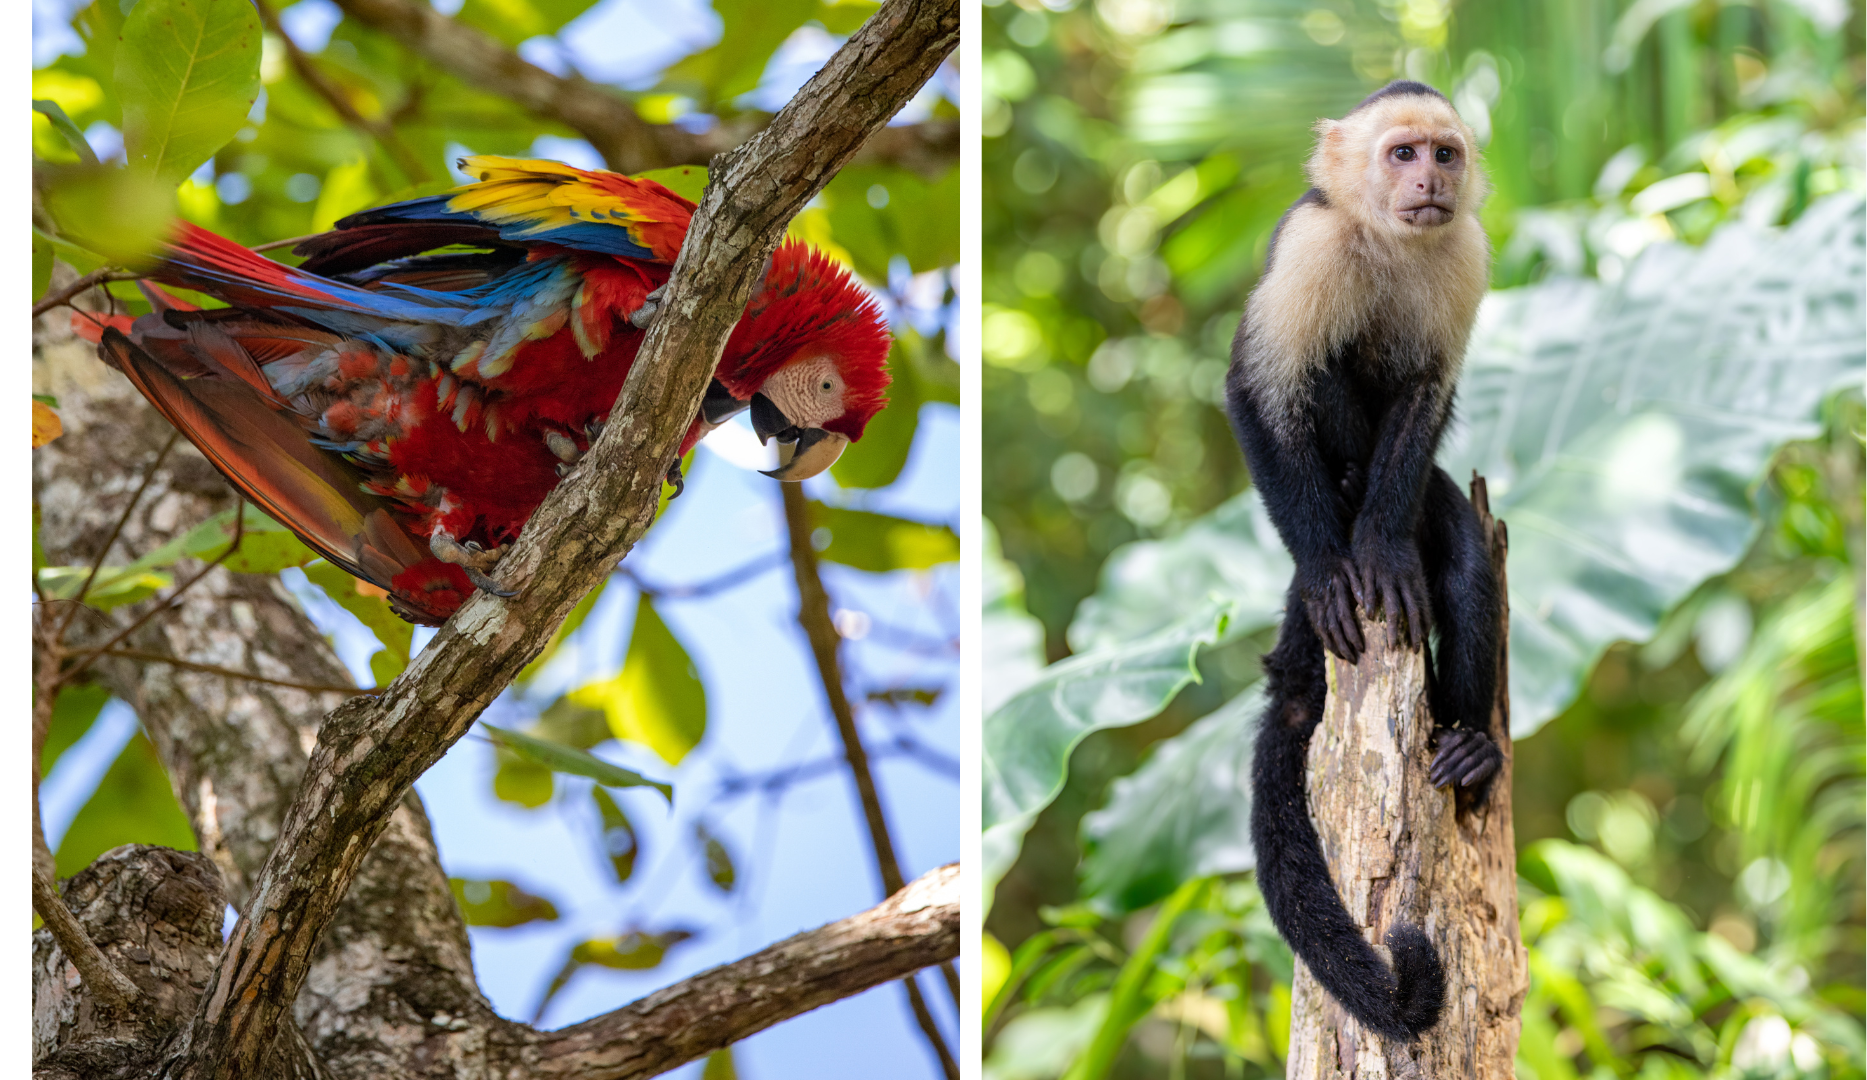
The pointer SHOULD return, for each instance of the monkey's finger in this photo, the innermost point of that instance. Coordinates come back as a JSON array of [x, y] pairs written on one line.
[[1478, 772], [1416, 617], [1452, 760], [1350, 627]]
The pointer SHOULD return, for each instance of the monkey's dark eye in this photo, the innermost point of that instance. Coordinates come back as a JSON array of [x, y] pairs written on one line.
[[1403, 153], [1444, 155]]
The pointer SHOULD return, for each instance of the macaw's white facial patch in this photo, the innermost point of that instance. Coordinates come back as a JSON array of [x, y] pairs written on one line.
[[808, 391]]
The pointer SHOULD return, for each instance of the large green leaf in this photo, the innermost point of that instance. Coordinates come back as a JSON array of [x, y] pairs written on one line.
[[1028, 740], [880, 543], [657, 700], [133, 804], [187, 73], [72, 715], [568, 759], [1621, 428], [1185, 813], [880, 211], [1011, 640]]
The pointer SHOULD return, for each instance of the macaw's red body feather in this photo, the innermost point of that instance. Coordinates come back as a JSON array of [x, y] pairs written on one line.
[[405, 410]]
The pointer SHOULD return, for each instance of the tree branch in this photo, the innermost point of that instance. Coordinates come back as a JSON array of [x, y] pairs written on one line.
[[916, 927], [813, 614], [370, 751], [601, 114]]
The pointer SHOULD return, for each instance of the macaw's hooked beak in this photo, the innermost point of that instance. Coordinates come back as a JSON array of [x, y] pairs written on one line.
[[814, 451], [810, 450]]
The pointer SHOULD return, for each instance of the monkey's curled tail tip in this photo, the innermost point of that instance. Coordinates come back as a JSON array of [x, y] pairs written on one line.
[[1420, 991]]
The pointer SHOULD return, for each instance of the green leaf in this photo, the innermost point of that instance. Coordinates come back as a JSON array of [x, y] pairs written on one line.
[[720, 1066], [876, 461], [1621, 430], [187, 73], [1027, 741], [119, 214], [516, 780], [114, 586], [572, 761], [1130, 1000], [514, 21], [719, 862], [880, 211], [620, 844], [63, 125], [879, 543], [72, 715], [657, 700], [1185, 813], [41, 264], [754, 29], [634, 951], [370, 604], [494, 902], [687, 181], [133, 804]]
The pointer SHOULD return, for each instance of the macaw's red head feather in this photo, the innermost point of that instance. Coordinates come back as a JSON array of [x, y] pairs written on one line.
[[809, 306]]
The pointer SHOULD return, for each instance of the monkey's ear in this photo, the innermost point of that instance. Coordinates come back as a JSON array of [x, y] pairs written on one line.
[[1331, 145]]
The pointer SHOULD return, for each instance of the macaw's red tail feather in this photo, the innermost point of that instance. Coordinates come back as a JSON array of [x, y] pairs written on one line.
[[266, 456], [90, 325]]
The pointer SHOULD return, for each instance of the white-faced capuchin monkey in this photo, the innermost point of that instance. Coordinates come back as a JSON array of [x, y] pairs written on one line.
[[1340, 387]]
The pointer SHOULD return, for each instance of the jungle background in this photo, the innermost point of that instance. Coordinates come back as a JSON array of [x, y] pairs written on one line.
[[581, 893], [1664, 395]]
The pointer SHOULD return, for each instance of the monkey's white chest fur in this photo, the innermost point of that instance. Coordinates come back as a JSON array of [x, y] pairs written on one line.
[[1331, 282]]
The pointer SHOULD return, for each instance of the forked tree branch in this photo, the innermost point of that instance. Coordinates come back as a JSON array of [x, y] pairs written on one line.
[[370, 751], [602, 115]]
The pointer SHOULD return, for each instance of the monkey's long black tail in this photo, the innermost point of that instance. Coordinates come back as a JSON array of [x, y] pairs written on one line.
[[1399, 1003]]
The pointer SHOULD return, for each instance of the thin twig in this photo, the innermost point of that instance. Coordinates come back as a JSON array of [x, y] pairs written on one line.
[[384, 135], [83, 659], [100, 976], [232, 673], [813, 615], [103, 275], [292, 242], [738, 575], [84, 590]]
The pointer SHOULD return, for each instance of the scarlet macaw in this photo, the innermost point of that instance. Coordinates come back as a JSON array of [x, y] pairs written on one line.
[[405, 398]]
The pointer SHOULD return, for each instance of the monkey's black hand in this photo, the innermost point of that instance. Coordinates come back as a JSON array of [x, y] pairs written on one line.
[[1328, 593], [1466, 758], [1390, 581]]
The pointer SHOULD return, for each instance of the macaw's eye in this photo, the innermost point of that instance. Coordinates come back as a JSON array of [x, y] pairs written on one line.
[[1403, 153], [828, 386], [1444, 155]]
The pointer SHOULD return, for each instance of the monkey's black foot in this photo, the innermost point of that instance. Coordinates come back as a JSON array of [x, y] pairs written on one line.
[[1466, 758], [1389, 579], [674, 477], [1328, 593]]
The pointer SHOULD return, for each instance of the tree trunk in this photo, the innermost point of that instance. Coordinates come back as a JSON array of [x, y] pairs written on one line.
[[1402, 851]]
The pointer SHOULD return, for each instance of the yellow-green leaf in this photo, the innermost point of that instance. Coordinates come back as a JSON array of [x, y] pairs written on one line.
[[46, 425], [620, 844], [657, 700], [495, 902], [687, 181], [568, 759], [187, 73], [371, 605], [121, 215], [878, 542]]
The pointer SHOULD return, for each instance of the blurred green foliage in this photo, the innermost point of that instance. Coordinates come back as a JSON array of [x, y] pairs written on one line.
[[1138, 153]]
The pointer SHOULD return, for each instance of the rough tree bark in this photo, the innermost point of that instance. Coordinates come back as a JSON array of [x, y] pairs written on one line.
[[1400, 850], [349, 958]]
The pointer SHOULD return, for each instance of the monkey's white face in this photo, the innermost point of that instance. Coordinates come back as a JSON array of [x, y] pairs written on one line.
[[1422, 173]]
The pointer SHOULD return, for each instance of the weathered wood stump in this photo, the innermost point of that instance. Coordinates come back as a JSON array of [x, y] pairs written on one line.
[[1402, 851]]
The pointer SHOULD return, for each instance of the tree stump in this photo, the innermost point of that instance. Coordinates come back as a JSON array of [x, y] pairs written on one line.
[[1400, 850]]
